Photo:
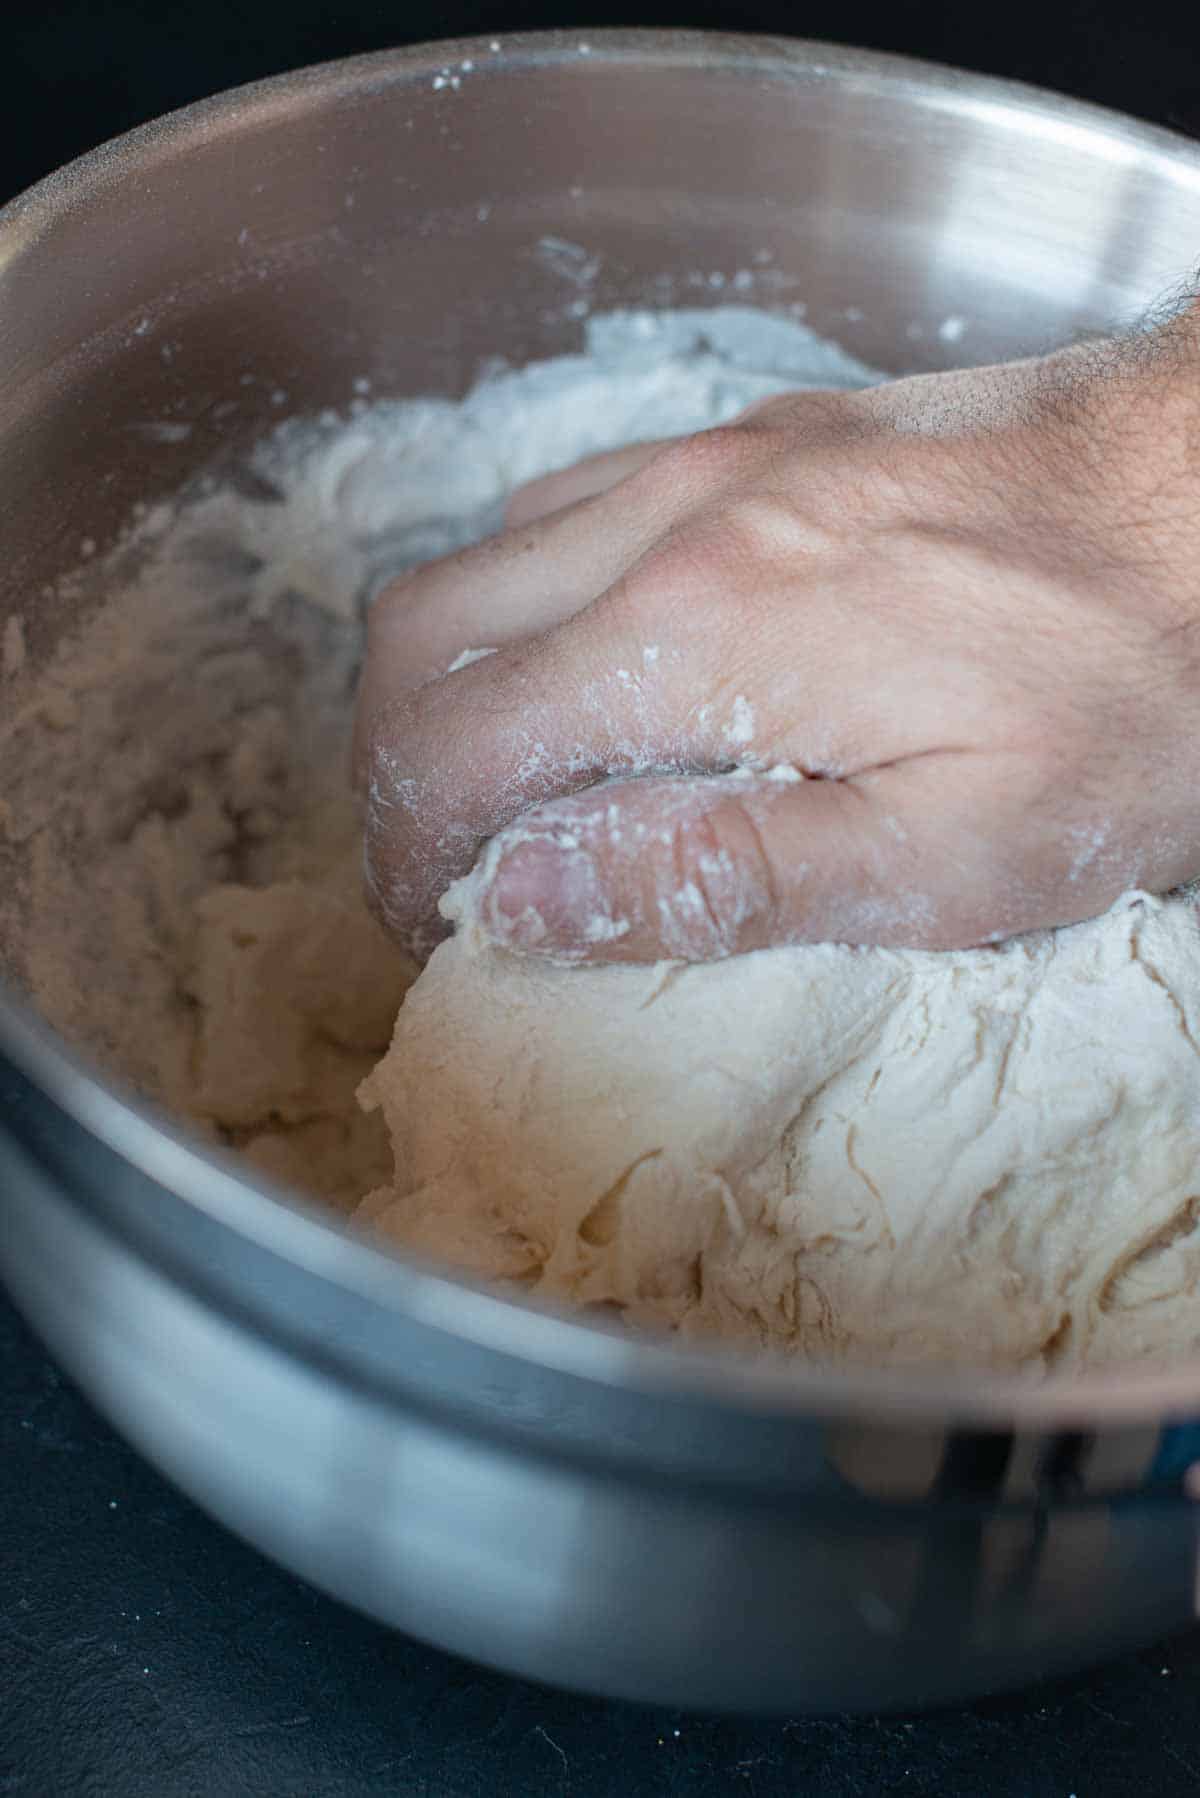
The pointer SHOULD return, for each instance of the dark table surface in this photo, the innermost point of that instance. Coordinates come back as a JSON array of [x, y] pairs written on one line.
[[144, 1650], [146, 1653]]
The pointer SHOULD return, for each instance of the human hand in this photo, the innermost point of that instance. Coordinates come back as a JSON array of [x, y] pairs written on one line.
[[942, 629]]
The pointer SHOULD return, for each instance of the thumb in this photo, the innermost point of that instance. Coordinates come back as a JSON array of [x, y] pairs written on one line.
[[695, 868]]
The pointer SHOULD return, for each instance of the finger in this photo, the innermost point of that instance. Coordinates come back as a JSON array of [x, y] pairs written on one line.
[[515, 586], [452, 762], [567, 538], [695, 869], [598, 474], [494, 594], [443, 778], [585, 480]]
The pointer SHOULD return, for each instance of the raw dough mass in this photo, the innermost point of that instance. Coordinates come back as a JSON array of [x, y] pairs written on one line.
[[860, 1155], [850, 1154]]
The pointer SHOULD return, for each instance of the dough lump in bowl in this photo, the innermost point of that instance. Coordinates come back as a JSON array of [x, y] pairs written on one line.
[[858, 1155]]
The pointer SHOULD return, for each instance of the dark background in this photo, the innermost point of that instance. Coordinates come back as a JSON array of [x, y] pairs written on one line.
[[77, 71], [146, 1654]]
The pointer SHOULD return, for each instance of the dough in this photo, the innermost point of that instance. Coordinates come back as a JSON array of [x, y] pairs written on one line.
[[852, 1154], [297, 990]]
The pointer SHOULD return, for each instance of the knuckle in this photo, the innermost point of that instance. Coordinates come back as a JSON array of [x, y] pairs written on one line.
[[699, 576], [405, 627], [820, 417], [756, 529], [712, 579], [692, 467], [392, 751], [415, 757]]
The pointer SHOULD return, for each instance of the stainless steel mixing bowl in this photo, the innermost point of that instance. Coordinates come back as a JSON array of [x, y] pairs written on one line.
[[534, 1490]]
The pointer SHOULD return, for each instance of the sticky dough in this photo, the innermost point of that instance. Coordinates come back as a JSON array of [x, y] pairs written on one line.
[[856, 1155]]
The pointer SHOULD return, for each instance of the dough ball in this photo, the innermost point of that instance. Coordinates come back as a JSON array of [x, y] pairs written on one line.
[[856, 1155]]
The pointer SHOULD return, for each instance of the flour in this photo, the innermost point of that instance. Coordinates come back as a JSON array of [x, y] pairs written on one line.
[[848, 1154]]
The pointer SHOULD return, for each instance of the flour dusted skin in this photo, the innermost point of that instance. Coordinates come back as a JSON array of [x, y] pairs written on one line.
[[857, 1155]]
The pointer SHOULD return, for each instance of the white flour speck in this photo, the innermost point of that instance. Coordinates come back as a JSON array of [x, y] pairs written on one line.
[[467, 657], [739, 732]]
